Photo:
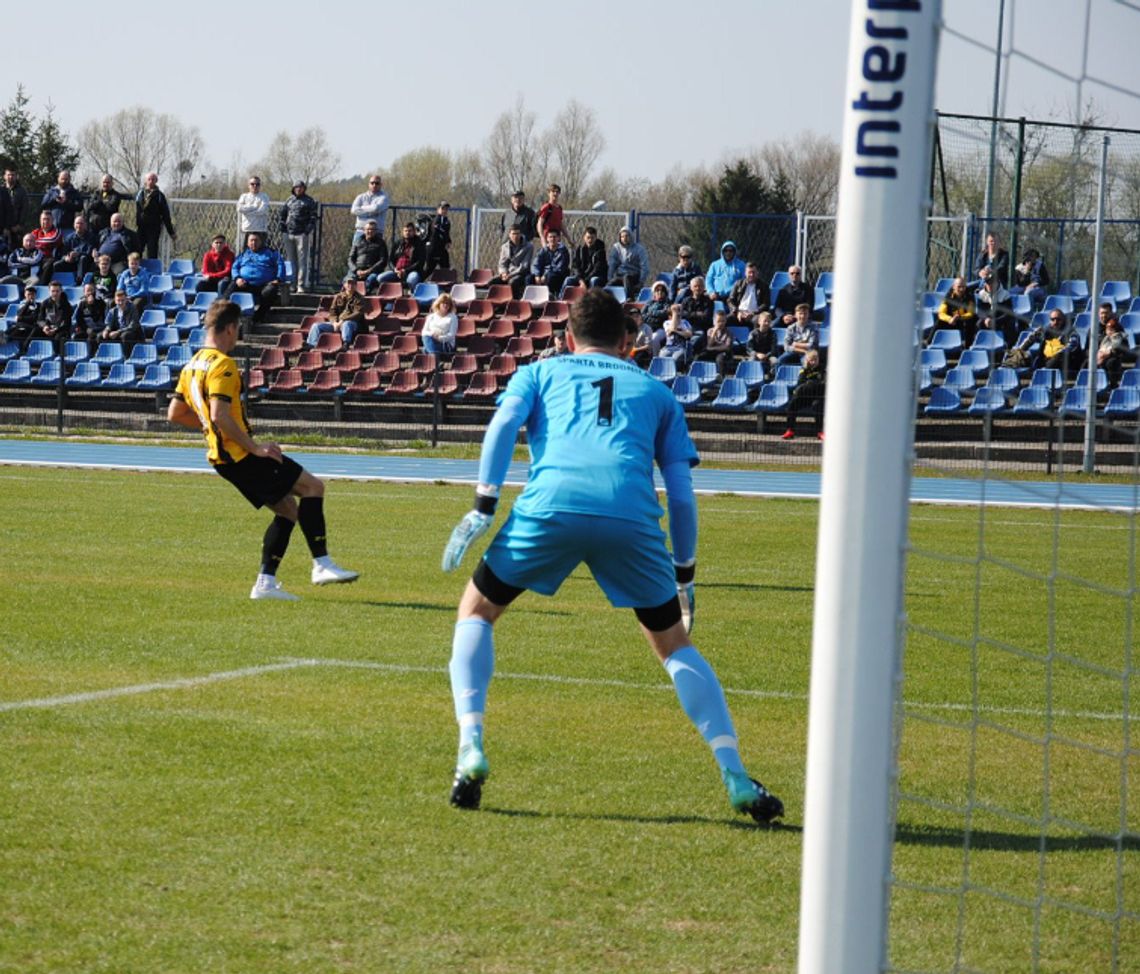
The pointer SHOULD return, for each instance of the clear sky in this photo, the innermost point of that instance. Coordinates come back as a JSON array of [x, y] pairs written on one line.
[[671, 81]]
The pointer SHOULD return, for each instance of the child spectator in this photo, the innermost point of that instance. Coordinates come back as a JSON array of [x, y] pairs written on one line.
[[762, 345], [217, 263], [807, 396], [135, 282]]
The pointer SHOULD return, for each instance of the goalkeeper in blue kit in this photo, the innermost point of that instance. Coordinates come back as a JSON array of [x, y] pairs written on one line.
[[596, 424]]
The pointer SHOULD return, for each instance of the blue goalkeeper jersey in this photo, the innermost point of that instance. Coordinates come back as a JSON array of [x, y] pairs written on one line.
[[595, 425]]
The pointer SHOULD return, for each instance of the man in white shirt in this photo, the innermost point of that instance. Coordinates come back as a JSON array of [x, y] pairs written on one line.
[[370, 205], [253, 211]]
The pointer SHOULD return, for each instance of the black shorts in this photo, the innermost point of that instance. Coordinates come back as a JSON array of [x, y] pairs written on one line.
[[262, 481]]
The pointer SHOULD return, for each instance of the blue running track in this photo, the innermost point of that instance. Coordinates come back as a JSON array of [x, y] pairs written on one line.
[[752, 483]]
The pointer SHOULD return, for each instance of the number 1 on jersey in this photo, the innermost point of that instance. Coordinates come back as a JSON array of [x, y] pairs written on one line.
[[605, 389]]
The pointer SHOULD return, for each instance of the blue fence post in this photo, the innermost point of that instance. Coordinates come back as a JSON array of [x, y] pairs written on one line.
[[1060, 276]]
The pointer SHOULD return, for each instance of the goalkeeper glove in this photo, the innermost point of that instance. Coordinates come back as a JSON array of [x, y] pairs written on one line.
[[686, 592], [474, 525]]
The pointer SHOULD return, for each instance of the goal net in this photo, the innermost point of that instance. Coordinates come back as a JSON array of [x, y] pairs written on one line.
[[972, 804]]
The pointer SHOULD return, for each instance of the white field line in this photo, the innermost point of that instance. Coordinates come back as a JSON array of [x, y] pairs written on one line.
[[292, 663]]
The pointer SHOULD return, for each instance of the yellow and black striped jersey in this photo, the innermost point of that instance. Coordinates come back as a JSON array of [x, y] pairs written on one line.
[[212, 374]]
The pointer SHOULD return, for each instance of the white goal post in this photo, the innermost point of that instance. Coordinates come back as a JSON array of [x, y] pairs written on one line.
[[880, 249]]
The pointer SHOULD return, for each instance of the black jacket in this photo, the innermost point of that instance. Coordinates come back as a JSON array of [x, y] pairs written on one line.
[[591, 261]]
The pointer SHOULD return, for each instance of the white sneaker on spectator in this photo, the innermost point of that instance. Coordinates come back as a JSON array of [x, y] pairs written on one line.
[[328, 572], [267, 587]]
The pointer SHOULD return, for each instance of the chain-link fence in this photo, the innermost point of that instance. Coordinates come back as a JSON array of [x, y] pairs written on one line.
[[491, 226], [1044, 190]]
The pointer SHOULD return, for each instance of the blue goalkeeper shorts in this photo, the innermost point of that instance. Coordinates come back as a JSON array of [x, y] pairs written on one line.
[[628, 559]]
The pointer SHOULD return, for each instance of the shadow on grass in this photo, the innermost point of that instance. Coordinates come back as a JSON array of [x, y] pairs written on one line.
[[739, 823], [449, 607], [1008, 842], [745, 587]]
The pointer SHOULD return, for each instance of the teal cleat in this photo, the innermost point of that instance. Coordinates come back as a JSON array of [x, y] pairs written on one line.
[[749, 797], [471, 770]]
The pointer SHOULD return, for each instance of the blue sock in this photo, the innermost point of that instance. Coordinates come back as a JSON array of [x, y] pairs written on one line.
[[472, 663], [702, 699]]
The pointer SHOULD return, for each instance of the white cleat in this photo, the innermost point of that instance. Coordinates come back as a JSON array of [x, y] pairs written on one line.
[[331, 573], [271, 589]]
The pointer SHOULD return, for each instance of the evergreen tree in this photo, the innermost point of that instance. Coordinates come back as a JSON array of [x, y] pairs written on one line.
[[52, 152], [741, 189], [17, 136]]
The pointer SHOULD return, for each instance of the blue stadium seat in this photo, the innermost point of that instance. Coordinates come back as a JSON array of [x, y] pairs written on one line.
[[9, 293], [779, 279], [73, 294], [1021, 305], [39, 351], [773, 398], [187, 321], [121, 376], [976, 360], [931, 301], [42, 292], [825, 334], [705, 373], [787, 374], [617, 292], [1101, 380], [961, 381], [1033, 400], [739, 335], [1118, 292], [151, 319], [644, 295], [1005, 379], [156, 377], [664, 369], [196, 339], [165, 337], [989, 341], [86, 374], [989, 400], [242, 300], [1050, 379], [1062, 302], [1123, 403], [1078, 290], [820, 302], [924, 322], [142, 355], [826, 281], [203, 300], [943, 402], [751, 373], [925, 380], [424, 294], [17, 371], [63, 278], [933, 359], [1130, 379], [732, 397], [190, 283], [75, 352], [944, 284], [108, 353], [1076, 401], [174, 300], [1082, 324], [48, 375], [180, 267], [667, 277], [687, 391], [160, 284], [1130, 322], [177, 356], [947, 339], [9, 350], [152, 265]]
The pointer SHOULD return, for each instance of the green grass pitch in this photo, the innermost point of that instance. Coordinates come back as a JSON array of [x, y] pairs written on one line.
[[295, 819]]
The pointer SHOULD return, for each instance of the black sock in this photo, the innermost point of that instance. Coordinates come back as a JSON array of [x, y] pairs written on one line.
[[311, 517], [275, 543]]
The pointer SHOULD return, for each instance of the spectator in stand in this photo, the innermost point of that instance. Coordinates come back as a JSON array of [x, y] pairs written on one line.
[[697, 307], [556, 347], [102, 203], [79, 246], [796, 292], [54, 319], [683, 273], [807, 395], [959, 310], [628, 264], [439, 239], [641, 343], [118, 242], [258, 270], [551, 265], [372, 204], [253, 211], [1113, 349], [135, 283], [677, 337], [408, 257], [550, 213], [801, 337], [514, 260], [521, 215], [748, 297], [25, 263], [656, 311], [122, 323], [19, 213], [441, 327], [49, 242], [62, 201], [589, 261], [5, 222], [762, 346], [152, 213], [103, 279], [995, 259], [717, 345], [23, 329], [298, 224], [346, 310], [994, 310], [90, 313], [724, 272], [217, 263], [368, 257], [1031, 277]]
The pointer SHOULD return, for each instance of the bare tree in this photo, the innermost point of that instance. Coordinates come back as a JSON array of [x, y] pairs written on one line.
[[576, 142], [807, 166], [304, 156], [422, 176], [513, 156], [135, 141]]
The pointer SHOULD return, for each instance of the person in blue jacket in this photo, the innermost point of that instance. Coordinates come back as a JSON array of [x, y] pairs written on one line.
[[258, 270], [551, 264], [724, 273]]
